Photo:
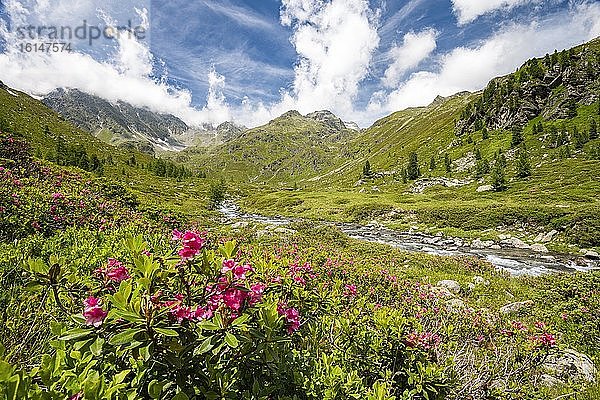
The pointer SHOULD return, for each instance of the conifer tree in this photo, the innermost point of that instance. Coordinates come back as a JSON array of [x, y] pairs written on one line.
[[367, 170], [447, 163], [593, 129], [412, 170], [404, 176], [517, 136], [523, 166], [498, 178], [432, 163]]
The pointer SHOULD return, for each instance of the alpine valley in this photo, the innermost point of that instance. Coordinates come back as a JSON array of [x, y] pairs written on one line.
[[449, 251]]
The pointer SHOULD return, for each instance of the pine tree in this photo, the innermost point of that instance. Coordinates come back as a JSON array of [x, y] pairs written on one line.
[[477, 154], [432, 163], [412, 170], [517, 136], [534, 131], [366, 173], [498, 178], [540, 127], [482, 167], [593, 130], [523, 166], [447, 163]]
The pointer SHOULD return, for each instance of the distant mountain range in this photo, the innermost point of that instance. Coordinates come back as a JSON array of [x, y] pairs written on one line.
[[124, 125]]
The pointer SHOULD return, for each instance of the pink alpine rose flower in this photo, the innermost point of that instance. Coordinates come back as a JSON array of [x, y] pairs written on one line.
[[94, 314]]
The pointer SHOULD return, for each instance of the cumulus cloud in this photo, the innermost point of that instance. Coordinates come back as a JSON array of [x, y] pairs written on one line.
[[415, 48], [127, 73], [335, 41], [469, 10], [470, 68]]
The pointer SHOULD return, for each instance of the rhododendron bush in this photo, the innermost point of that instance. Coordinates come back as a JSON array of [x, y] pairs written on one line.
[[201, 322]]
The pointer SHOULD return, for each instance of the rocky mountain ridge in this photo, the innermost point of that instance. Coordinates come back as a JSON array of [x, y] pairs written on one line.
[[551, 86]]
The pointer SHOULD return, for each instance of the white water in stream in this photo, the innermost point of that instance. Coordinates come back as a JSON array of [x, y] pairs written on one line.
[[515, 261]]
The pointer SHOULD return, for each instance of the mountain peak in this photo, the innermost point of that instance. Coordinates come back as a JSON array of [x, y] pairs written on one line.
[[328, 118]]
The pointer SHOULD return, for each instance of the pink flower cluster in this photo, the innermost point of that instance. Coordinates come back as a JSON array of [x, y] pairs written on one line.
[[239, 271], [114, 271], [192, 243], [349, 290], [544, 340], [224, 292], [425, 340], [94, 314], [291, 315]]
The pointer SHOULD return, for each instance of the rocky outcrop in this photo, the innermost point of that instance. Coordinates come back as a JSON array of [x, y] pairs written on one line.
[[127, 124], [569, 366], [328, 118], [421, 184], [550, 87], [513, 308], [451, 285]]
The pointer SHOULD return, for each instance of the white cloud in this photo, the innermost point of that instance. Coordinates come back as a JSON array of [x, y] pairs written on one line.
[[469, 10], [415, 48], [126, 75], [470, 68], [335, 41]]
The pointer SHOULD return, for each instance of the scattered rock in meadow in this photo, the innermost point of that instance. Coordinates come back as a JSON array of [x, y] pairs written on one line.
[[496, 247], [240, 224], [441, 291], [421, 184], [591, 254], [451, 285], [480, 280], [569, 365], [502, 236], [284, 231], [516, 307], [482, 244], [546, 237], [455, 305], [515, 242], [485, 188], [540, 248]]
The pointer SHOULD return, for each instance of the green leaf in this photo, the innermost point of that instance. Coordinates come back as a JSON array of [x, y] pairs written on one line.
[[181, 396], [166, 331], [96, 347], [204, 347], [208, 326], [37, 266], [241, 320], [154, 389], [6, 371], [231, 340], [124, 337], [75, 333], [126, 315]]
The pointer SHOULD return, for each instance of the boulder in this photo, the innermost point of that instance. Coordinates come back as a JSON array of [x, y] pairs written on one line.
[[515, 242], [485, 188], [546, 237], [451, 285], [455, 305], [591, 254], [240, 224], [284, 231], [540, 248], [479, 244], [516, 307], [569, 365]]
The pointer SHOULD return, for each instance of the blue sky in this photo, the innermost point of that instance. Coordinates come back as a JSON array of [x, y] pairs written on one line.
[[217, 60]]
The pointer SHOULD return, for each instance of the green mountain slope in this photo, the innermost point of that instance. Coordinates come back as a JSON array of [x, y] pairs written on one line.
[[547, 143], [285, 150]]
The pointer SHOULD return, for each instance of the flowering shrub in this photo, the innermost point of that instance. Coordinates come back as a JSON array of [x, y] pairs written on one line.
[[203, 323]]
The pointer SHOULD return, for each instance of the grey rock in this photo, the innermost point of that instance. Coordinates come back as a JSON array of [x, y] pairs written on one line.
[[485, 188], [455, 305], [451, 285], [240, 224], [540, 248], [516, 307], [284, 231], [591, 254], [569, 365]]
